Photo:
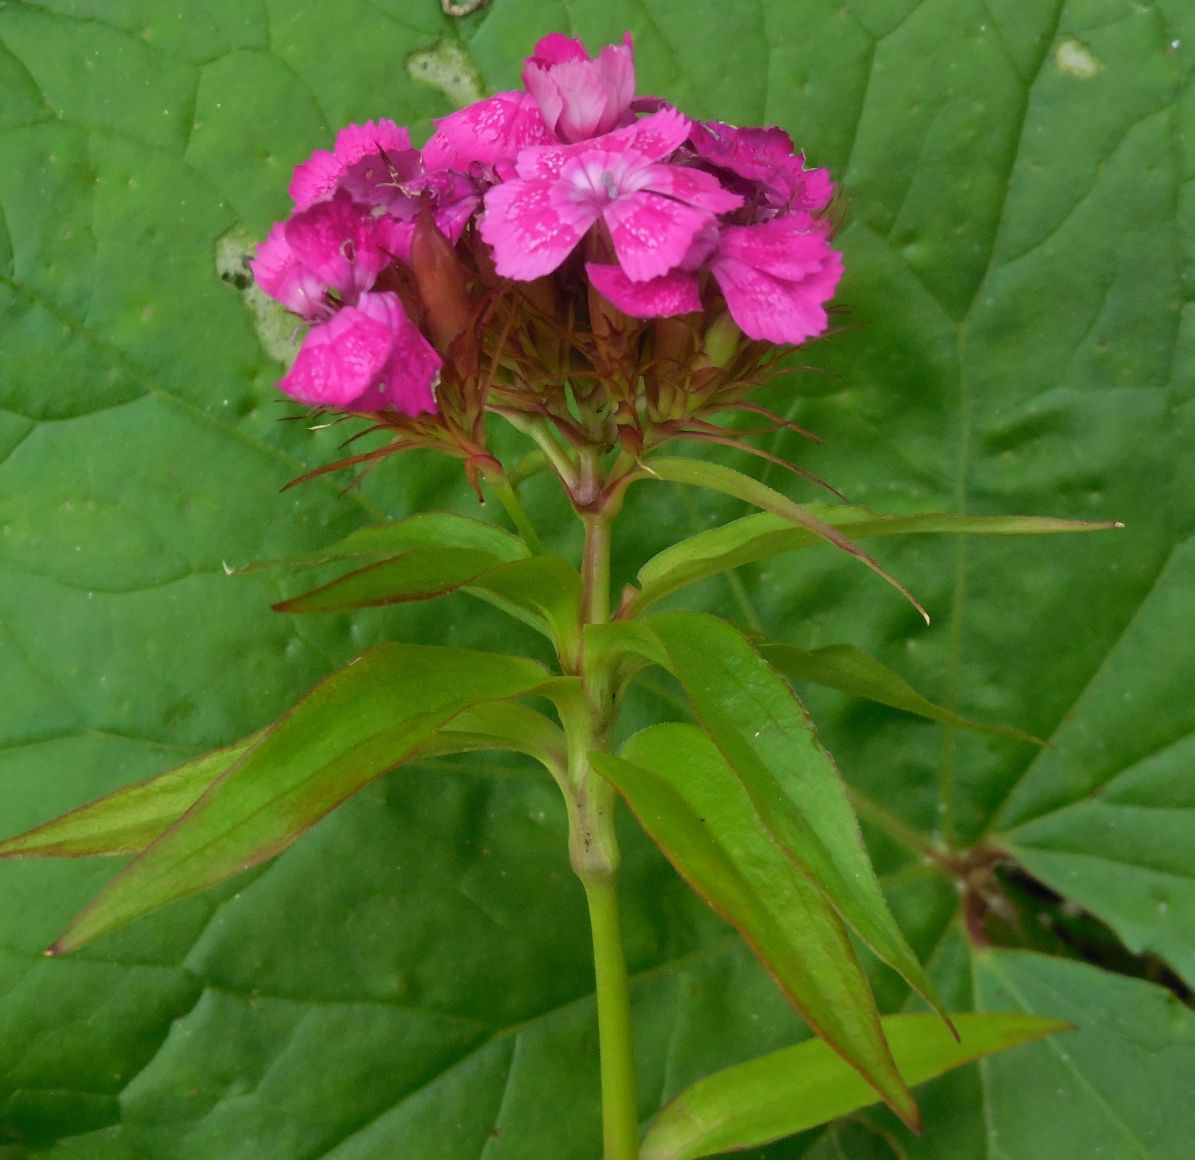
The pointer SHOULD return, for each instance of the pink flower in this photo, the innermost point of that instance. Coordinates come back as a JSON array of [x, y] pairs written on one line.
[[580, 97], [653, 211], [368, 357], [360, 154], [764, 158], [329, 253], [489, 132], [777, 277]]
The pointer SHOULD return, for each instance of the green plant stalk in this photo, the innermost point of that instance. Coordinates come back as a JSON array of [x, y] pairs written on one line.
[[593, 852]]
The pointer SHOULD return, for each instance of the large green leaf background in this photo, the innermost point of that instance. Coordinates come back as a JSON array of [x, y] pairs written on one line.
[[412, 978]]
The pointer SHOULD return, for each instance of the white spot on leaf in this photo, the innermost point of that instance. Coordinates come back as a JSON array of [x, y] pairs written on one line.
[[1076, 59], [448, 67]]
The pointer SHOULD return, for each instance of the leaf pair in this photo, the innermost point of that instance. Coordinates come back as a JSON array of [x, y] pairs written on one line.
[[751, 811], [214, 817]]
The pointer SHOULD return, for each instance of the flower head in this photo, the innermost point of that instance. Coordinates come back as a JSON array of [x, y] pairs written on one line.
[[563, 250]]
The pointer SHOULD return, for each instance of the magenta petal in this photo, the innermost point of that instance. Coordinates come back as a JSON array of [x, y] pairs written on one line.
[[410, 375], [343, 245], [808, 189], [369, 357], [752, 153], [674, 293], [556, 48], [651, 233], [314, 179], [580, 98], [789, 247], [339, 360], [775, 310], [526, 231], [654, 137], [571, 98], [489, 131], [694, 186], [354, 142], [277, 271]]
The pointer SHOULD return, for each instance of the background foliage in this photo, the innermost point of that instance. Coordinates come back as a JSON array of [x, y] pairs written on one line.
[[413, 978]]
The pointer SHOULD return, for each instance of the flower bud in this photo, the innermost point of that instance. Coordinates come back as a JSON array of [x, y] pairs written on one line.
[[441, 281], [722, 342]]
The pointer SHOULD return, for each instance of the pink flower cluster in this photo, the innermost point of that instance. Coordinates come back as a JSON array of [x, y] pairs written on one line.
[[660, 215]]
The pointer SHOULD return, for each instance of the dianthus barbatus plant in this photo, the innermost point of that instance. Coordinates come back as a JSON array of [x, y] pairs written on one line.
[[607, 276]]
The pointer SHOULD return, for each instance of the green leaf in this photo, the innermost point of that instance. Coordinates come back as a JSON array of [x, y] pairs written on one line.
[[765, 734], [353, 727], [697, 810], [850, 670], [800, 1087], [1104, 815], [425, 530], [1120, 1085], [504, 725], [543, 591], [420, 574], [759, 537], [126, 821], [717, 477]]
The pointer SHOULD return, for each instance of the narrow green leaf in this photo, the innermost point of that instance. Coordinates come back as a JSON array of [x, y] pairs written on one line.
[[420, 574], [803, 1086], [503, 725], [543, 591], [426, 530], [717, 477], [763, 535], [695, 808], [127, 820], [851, 670], [353, 727], [764, 732]]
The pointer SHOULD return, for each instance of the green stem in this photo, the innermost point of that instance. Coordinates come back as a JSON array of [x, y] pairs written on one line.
[[620, 1122], [593, 847], [595, 571]]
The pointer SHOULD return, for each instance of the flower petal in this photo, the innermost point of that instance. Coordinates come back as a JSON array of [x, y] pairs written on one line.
[[314, 179], [770, 308], [339, 360], [280, 274], [674, 293], [651, 233], [580, 98], [369, 357], [694, 186], [528, 229], [789, 247], [489, 131]]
